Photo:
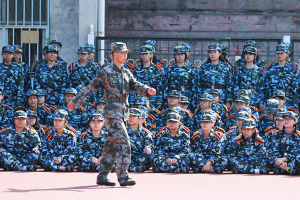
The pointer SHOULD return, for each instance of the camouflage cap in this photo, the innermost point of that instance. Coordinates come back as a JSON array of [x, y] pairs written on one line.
[[1, 90], [80, 88], [175, 110], [146, 49], [97, 112], [52, 48], [31, 93], [91, 48], [96, 116], [18, 48], [173, 117], [291, 114], [179, 50], [250, 49], [244, 99], [135, 111], [289, 46], [224, 48], [109, 49], [8, 48], [56, 42], [279, 110], [71, 91], [174, 93], [101, 100], [213, 113], [245, 109], [248, 123], [251, 43], [41, 92], [83, 49], [19, 114], [119, 46], [271, 105], [184, 99], [282, 48], [280, 115], [45, 49], [279, 93], [215, 91], [31, 113], [150, 42], [243, 115], [186, 45], [207, 118], [144, 111], [206, 96], [213, 47], [141, 100], [242, 92], [60, 114]]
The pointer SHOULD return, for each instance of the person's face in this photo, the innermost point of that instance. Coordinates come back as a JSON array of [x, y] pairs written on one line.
[[83, 56], [20, 122], [91, 56], [17, 55], [146, 57], [59, 123], [133, 119], [184, 105], [289, 122], [32, 101], [7, 56], [279, 123], [41, 100], [239, 104], [281, 102], [180, 58], [173, 101], [239, 122], [206, 125], [248, 132], [270, 116], [1, 97], [120, 57], [31, 120], [214, 55], [216, 98], [69, 98], [282, 56], [204, 104], [100, 106], [173, 125], [96, 125], [51, 56], [249, 57]]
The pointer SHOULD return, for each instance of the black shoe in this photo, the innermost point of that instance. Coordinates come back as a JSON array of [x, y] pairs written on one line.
[[105, 181], [6, 168], [128, 182], [79, 169], [294, 172], [235, 171], [31, 168], [276, 171], [69, 168]]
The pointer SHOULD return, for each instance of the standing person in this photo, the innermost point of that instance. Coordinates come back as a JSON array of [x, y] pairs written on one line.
[[5, 112], [116, 81], [59, 46]]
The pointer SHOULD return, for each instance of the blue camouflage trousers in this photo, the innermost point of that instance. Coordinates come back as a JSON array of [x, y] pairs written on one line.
[[139, 162], [160, 164], [198, 162], [17, 161], [67, 160]]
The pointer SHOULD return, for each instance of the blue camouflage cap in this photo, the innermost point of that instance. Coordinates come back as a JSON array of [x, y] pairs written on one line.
[[243, 115], [280, 115], [289, 46], [248, 123], [71, 91], [282, 48], [31, 113], [213, 113], [242, 92], [224, 48], [278, 110], [1, 90], [213, 47], [56, 41], [91, 48], [8, 48], [19, 114], [186, 45], [45, 49], [173, 117], [174, 93], [146, 49], [271, 105], [83, 49], [250, 43], [109, 49], [150, 42], [32, 93], [215, 91], [184, 99], [245, 109], [291, 114], [176, 110], [207, 118], [250, 49], [18, 48], [102, 100], [80, 88], [119, 46], [279, 93], [96, 116], [135, 111], [180, 50], [52, 48], [41, 92], [97, 112], [60, 114], [144, 111], [141, 100], [206, 96], [244, 99]]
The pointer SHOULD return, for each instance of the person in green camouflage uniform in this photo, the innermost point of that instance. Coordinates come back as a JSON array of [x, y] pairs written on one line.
[[19, 145], [115, 82]]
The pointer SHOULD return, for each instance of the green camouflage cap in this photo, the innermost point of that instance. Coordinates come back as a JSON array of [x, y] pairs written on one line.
[[271, 105], [173, 117], [184, 99], [248, 123], [279, 93], [96, 116], [119, 46], [60, 114], [179, 50], [51, 48], [206, 96], [291, 114], [31, 113], [32, 93], [8, 49], [18, 48], [135, 111], [207, 118], [215, 91], [146, 49], [71, 91], [213, 47], [251, 43], [151, 43], [282, 48], [174, 93], [250, 50], [83, 49], [244, 99], [19, 114], [242, 115], [102, 100], [41, 92]]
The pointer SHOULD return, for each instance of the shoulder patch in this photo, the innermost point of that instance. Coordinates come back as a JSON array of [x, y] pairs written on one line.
[[49, 136], [7, 106], [71, 133], [159, 66], [162, 61], [43, 130], [72, 67], [230, 109], [262, 69], [53, 107], [270, 127], [149, 132], [90, 104], [187, 135], [137, 63], [217, 135], [161, 112], [33, 130], [161, 130], [48, 128], [275, 131], [4, 129], [82, 108], [237, 69], [47, 109], [73, 129], [232, 127], [130, 65], [230, 131], [152, 125], [239, 139], [255, 109], [220, 129], [225, 108], [186, 129], [84, 133], [152, 117], [298, 132], [231, 115], [295, 65], [102, 65], [195, 135], [271, 64], [259, 141], [261, 116], [270, 131]]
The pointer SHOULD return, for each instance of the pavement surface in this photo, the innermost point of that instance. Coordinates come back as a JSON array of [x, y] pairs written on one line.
[[82, 185]]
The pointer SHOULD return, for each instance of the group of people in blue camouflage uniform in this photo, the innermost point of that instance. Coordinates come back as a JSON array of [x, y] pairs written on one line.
[[215, 117]]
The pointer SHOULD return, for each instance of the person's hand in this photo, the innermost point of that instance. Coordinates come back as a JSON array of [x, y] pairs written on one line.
[[173, 161], [207, 167], [169, 160], [71, 106], [147, 150], [279, 161], [261, 107], [228, 105], [57, 160], [151, 91], [36, 151], [283, 166], [95, 160], [2, 150]]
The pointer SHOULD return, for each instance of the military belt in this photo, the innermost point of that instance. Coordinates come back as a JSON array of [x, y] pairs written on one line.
[[116, 100], [180, 89], [215, 87], [9, 96]]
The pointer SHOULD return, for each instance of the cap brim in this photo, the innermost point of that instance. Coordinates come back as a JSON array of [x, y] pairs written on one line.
[[175, 120]]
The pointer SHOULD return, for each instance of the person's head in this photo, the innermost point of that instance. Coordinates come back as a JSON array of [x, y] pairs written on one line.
[[151, 43], [248, 128], [83, 53], [249, 43], [180, 54], [92, 50], [52, 52], [119, 51], [141, 101], [184, 102], [18, 51], [20, 119], [8, 54], [96, 122], [41, 94], [31, 117], [56, 43], [134, 116], [144, 115], [173, 121], [1, 93], [207, 122], [250, 54], [174, 97], [270, 106], [241, 92], [279, 122], [214, 52], [224, 51], [45, 52], [109, 52], [240, 117], [101, 103], [282, 52], [290, 119], [242, 101], [206, 101], [60, 119], [187, 47], [279, 95], [146, 52], [216, 95], [32, 98], [70, 94]]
